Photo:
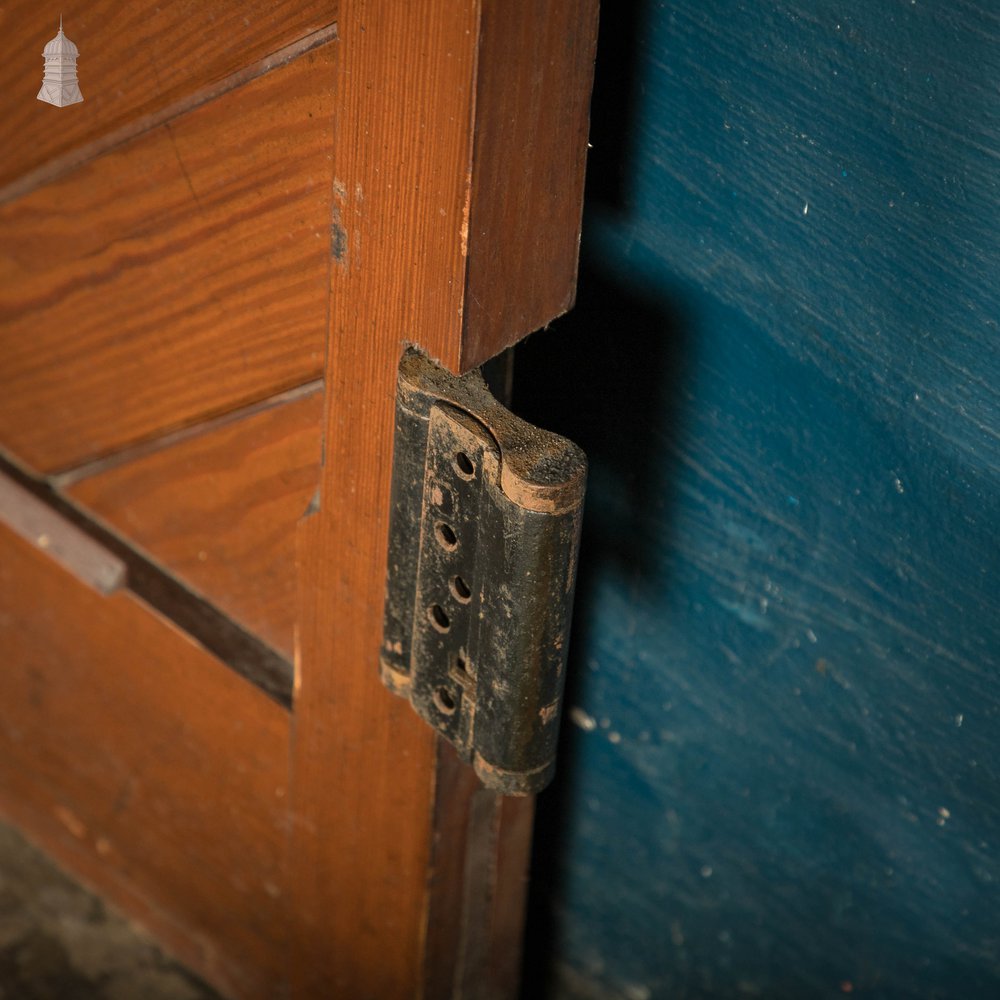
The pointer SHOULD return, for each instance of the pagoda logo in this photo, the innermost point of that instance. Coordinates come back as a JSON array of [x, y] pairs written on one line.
[[60, 86]]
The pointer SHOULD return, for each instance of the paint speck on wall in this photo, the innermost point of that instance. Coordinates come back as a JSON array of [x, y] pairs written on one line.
[[637, 991]]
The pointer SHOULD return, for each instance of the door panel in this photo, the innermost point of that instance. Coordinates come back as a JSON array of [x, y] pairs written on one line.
[[137, 60], [217, 507], [136, 753], [174, 278]]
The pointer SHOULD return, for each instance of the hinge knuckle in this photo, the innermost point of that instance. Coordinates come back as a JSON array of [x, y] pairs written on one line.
[[484, 533]]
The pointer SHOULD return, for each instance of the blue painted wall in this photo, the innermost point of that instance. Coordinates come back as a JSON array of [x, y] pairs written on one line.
[[780, 775]]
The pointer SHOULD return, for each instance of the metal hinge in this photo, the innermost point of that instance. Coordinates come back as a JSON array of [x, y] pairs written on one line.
[[483, 545]]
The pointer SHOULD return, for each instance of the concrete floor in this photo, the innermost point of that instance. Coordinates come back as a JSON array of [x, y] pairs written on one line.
[[60, 942]]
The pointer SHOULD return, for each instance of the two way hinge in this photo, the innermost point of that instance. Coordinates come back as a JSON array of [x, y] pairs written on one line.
[[483, 544]]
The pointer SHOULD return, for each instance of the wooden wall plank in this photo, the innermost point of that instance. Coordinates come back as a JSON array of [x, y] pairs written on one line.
[[135, 60], [164, 770], [177, 277], [218, 508]]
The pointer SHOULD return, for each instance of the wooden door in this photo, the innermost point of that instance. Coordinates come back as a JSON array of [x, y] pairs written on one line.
[[209, 271]]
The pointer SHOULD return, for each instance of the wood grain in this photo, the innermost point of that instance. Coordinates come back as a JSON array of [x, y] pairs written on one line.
[[135, 60], [403, 190], [147, 765], [218, 508], [535, 73], [509, 901], [478, 886], [195, 270], [177, 277], [363, 763]]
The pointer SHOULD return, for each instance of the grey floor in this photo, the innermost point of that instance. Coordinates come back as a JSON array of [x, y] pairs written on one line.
[[60, 942]]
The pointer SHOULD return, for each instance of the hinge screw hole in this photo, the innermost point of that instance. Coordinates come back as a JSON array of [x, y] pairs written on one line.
[[446, 535], [438, 618], [461, 590], [464, 465], [444, 700]]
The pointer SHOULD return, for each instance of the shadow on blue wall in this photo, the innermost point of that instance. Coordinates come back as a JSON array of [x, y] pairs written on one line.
[[586, 385], [778, 776], [616, 365]]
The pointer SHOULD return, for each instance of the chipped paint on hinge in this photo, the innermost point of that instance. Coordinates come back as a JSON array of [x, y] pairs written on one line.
[[482, 557]]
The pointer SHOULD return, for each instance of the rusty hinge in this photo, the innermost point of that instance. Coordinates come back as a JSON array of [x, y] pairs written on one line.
[[483, 542]]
